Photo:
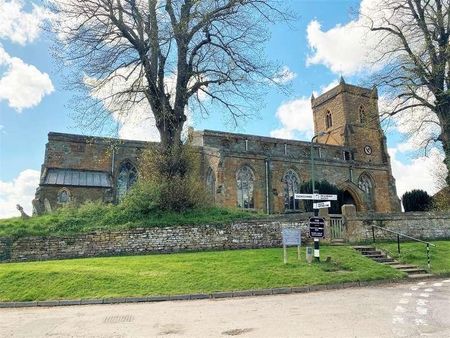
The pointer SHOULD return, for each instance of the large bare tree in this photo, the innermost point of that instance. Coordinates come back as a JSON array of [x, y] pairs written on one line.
[[167, 54], [414, 48]]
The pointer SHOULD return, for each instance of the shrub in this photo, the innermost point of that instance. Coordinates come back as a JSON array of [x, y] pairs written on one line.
[[169, 181], [324, 187], [417, 200]]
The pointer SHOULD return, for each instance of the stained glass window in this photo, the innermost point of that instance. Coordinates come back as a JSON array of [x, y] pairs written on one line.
[[63, 196], [126, 178], [211, 183], [366, 185], [244, 180], [291, 187]]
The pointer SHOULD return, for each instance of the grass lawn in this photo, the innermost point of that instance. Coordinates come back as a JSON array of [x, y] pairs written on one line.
[[182, 273], [415, 253]]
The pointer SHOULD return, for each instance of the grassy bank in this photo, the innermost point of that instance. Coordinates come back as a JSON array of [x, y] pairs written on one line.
[[415, 253], [182, 273], [96, 216]]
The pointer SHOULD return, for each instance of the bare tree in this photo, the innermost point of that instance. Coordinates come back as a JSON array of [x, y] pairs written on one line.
[[166, 53], [414, 49]]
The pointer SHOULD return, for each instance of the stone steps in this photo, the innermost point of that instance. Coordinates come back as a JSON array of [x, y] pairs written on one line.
[[378, 256]]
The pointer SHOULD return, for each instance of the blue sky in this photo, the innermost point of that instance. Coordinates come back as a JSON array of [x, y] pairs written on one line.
[[321, 45]]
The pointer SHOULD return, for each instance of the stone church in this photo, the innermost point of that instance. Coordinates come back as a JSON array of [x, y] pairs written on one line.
[[244, 171]]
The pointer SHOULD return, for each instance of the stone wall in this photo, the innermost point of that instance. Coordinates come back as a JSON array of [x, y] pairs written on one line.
[[421, 225], [243, 235]]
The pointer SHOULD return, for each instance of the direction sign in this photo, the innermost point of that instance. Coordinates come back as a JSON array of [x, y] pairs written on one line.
[[317, 227], [317, 197], [322, 205]]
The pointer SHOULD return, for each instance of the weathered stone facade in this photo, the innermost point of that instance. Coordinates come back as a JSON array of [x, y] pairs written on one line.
[[247, 171]]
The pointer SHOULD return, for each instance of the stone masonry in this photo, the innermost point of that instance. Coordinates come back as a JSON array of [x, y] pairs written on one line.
[[351, 154]]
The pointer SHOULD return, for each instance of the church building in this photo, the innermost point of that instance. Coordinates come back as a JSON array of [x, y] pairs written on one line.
[[244, 171]]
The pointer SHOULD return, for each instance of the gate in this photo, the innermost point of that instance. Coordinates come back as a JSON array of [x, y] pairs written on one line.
[[337, 226]]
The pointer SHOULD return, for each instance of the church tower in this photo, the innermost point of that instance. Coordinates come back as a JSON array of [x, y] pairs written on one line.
[[349, 116]]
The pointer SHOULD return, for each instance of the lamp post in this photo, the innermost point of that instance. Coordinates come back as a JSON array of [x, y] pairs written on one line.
[[312, 158]]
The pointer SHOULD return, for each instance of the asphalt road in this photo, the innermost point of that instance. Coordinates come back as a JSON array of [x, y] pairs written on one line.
[[420, 309]]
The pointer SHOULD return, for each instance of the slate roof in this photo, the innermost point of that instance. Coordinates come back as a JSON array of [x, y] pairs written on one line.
[[80, 178]]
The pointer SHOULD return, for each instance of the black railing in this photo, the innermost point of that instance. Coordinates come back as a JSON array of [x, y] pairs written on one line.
[[398, 234]]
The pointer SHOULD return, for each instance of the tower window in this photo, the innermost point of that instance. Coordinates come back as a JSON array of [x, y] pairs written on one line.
[[362, 115], [63, 196], [328, 120], [366, 185], [211, 183]]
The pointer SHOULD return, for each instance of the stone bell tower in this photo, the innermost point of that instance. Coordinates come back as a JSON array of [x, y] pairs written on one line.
[[349, 115]]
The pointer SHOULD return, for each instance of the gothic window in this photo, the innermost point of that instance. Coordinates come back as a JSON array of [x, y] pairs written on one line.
[[366, 185], [362, 114], [244, 180], [211, 182], [328, 120], [291, 187], [63, 196], [126, 178]]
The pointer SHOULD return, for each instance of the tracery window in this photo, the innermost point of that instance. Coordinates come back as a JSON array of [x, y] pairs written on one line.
[[328, 120], [211, 182], [366, 185], [63, 196], [244, 181], [126, 178], [291, 187]]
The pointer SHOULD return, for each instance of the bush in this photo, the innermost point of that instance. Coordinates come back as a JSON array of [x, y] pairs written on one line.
[[169, 180], [417, 200]]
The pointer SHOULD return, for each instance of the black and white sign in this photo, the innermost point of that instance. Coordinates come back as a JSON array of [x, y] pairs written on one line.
[[317, 197], [322, 205], [317, 227], [291, 236]]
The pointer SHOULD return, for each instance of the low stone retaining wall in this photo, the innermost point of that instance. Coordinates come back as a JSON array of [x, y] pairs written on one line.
[[422, 225], [243, 235]]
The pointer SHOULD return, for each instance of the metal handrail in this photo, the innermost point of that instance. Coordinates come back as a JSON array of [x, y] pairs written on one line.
[[403, 235], [400, 234]]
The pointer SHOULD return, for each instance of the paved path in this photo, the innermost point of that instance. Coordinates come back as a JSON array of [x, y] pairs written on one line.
[[420, 309]]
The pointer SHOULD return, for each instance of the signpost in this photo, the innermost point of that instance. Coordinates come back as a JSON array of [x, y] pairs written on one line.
[[291, 236], [316, 231], [317, 197], [322, 205]]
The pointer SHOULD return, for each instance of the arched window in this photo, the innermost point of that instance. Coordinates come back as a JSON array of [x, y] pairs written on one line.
[[211, 183], [366, 185], [328, 120], [291, 187], [63, 196], [244, 180], [362, 114], [126, 178]]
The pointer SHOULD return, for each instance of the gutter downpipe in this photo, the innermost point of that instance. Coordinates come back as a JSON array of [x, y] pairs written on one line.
[[266, 162]]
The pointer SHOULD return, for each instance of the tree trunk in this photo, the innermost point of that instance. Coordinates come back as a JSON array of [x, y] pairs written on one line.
[[443, 112], [172, 159]]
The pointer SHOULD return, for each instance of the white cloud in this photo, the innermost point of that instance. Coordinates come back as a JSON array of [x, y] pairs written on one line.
[[348, 48], [420, 173], [296, 117], [18, 25], [284, 76], [21, 84], [18, 191]]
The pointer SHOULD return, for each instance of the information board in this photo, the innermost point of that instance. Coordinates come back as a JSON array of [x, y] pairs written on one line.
[[291, 236]]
